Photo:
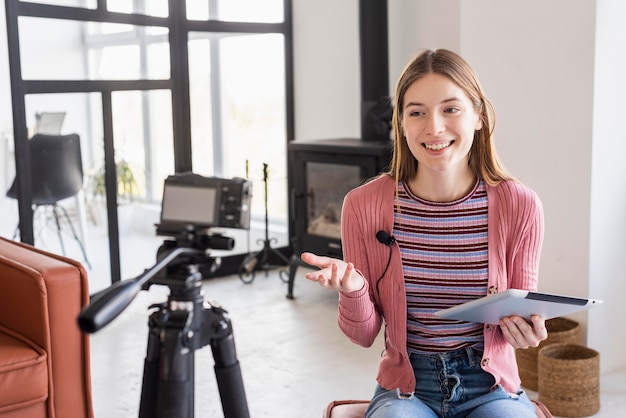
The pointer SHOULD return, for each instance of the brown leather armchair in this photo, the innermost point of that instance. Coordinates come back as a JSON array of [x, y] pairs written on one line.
[[44, 358]]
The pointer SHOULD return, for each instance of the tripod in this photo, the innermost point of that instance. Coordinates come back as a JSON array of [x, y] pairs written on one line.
[[260, 259], [177, 328]]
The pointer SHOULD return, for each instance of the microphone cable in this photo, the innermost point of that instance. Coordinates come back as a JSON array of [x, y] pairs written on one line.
[[384, 238]]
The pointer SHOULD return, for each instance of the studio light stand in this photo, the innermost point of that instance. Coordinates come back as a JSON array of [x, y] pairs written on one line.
[[177, 328], [260, 259]]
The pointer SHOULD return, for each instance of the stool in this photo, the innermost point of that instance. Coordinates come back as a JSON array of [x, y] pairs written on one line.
[[357, 408], [346, 409]]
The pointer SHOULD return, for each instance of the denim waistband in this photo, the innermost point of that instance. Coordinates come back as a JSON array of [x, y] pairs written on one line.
[[468, 353]]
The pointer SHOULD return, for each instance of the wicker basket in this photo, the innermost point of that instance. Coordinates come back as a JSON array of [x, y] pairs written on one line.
[[560, 331], [569, 380]]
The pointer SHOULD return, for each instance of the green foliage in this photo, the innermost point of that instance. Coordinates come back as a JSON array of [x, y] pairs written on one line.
[[127, 184]]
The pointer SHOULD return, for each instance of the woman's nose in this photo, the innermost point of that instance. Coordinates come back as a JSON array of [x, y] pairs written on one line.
[[434, 124]]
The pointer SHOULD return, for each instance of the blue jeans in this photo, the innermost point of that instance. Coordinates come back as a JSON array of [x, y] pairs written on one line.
[[451, 385]]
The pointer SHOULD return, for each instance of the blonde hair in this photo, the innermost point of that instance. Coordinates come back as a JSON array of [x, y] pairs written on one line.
[[483, 159]]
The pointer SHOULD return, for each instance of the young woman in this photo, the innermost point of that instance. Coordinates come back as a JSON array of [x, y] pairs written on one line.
[[455, 227]]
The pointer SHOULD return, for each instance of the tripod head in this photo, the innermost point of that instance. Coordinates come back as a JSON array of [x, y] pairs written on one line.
[[190, 246]]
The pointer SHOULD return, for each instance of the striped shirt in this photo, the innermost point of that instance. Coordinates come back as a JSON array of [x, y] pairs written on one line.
[[445, 263]]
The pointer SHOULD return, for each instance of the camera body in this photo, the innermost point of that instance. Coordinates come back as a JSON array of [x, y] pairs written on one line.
[[205, 202]]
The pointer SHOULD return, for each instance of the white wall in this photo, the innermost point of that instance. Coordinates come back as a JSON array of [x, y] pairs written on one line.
[[537, 64], [550, 70], [607, 259], [326, 69], [418, 25]]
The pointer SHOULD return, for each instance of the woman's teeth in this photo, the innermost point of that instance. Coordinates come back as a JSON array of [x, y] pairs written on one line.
[[437, 147]]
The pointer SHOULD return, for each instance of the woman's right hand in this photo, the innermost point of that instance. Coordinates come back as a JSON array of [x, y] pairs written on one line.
[[334, 273]]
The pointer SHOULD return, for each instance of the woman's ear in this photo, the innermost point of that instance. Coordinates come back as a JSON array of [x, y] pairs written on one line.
[[401, 123], [479, 123]]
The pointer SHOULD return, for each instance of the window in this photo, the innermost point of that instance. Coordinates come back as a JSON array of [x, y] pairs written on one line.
[[117, 65], [238, 112], [237, 98]]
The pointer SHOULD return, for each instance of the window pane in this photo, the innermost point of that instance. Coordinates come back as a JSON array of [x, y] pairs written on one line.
[[107, 28], [263, 11], [197, 9], [51, 49], [133, 33], [156, 8], [247, 130], [83, 116], [120, 6], [158, 61], [142, 128], [201, 106], [267, 11], [104, 62], [87, 4]]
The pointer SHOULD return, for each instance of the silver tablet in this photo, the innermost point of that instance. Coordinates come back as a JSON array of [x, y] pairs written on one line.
[[490, 309]]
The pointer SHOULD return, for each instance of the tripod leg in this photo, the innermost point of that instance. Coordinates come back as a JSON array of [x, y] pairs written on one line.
[[176, 377], [293, 268], [246, 269], [228, 375], [168, 381], [149, 388]]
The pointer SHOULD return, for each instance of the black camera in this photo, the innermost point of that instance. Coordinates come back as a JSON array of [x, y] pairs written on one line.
[[205, 202]]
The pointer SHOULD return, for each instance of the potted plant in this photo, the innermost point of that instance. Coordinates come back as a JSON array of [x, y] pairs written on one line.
[[127, 190], [127, 185]]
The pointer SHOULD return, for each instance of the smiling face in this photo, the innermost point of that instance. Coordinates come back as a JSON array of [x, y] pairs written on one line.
[[439, 121]]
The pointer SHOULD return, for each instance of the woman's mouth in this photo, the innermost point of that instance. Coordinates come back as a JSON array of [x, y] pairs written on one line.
[[438, 146]]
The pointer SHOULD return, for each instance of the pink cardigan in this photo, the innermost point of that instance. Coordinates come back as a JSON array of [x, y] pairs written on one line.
[[516, 228]]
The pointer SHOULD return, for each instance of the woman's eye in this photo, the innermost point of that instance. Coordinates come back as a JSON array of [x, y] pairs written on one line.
[[415, 113], [451, 110]]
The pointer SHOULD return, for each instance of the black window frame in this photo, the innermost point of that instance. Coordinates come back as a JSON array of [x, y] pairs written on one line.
[[178, 84]]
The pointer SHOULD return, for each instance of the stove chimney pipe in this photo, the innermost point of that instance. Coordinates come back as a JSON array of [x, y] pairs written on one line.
[[375, 102]]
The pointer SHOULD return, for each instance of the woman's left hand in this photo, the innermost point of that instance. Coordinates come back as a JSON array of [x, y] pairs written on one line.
[[521, 334]]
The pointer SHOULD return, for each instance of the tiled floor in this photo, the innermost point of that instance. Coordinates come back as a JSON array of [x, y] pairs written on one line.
[[294, 360]]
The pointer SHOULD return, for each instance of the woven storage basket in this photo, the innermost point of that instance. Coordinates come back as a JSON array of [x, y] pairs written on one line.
[[560, 331], [569, 380]]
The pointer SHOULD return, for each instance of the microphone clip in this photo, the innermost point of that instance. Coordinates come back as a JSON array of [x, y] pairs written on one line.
[[384, 238]]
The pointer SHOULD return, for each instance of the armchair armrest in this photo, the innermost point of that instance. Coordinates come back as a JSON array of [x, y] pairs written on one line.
[[41, 295]]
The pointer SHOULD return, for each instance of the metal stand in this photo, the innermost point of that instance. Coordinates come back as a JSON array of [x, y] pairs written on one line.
[[58, 212], [177, 328], [260, 259]]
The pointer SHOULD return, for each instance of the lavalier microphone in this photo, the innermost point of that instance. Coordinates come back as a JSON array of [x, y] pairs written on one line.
[[384, 238]]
